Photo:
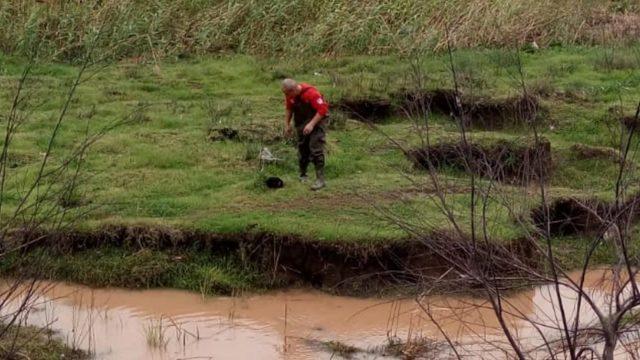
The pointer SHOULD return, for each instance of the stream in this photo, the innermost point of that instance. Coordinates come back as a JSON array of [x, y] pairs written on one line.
[[163, 324]]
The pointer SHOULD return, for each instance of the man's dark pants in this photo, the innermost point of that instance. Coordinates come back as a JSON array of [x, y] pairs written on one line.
[[311, 147]]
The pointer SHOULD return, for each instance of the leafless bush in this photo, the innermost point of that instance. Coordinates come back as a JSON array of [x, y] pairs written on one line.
[[472, 252], [48, 200]]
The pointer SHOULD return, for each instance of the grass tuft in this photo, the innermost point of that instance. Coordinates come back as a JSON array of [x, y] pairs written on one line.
[[156, 334]]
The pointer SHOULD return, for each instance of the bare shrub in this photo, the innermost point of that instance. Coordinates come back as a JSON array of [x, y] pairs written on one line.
[[565, 332]]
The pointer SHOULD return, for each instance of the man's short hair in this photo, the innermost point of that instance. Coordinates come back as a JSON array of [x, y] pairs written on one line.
[[289, 84]]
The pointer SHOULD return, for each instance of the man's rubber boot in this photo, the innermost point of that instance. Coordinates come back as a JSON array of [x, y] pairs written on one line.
[[302, 168], [319, 184]]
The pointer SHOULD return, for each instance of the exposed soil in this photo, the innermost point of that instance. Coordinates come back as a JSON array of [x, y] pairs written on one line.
[[373, 110], [415, 103], [223, 134], [584, 152], [507, 161], [491, 114], [481, 113], [631, 123], [250, 133], [344, 267], [570, 216]]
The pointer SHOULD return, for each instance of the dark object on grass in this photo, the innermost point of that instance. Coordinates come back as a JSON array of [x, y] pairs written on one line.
[[223, 134], [274, 182]]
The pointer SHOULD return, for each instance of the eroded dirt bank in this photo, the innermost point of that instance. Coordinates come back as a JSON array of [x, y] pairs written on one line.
[[571, 216], [506, 161], [480, 113], [343, 267]]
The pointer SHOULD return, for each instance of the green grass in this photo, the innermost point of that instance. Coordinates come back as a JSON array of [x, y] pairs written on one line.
[[36, 344], [162, 169], [109, 266]]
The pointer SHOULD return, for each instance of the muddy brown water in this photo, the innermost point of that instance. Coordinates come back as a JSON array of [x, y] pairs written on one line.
[[173, 324]]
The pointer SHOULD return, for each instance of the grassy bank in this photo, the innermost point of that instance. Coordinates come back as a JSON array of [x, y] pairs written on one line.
[[170, 167], [117, 267], [26, 342], [186, 27]]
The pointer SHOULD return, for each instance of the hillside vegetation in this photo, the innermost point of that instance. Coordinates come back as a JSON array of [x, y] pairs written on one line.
[[338, 27]]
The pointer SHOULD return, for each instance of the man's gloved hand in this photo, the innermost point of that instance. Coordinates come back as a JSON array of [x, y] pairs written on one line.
[[288, 131]]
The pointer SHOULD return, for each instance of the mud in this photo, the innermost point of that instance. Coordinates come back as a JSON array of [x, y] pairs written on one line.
[[347, 268], [511, 162]]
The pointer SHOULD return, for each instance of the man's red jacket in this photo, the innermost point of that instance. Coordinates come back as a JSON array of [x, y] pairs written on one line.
[[310, 95]]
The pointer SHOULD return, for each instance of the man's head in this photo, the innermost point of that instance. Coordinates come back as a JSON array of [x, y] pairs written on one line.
[[290, 87]]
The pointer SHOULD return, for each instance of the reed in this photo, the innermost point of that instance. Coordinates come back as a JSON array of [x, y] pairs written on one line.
[[191, 27]]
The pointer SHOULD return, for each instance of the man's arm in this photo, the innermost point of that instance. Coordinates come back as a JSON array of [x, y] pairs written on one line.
[[287, 121], [287, 117], [312, 124], [318, 103]]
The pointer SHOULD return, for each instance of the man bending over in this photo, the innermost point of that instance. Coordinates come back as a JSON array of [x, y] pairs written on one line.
[[309, 111]]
